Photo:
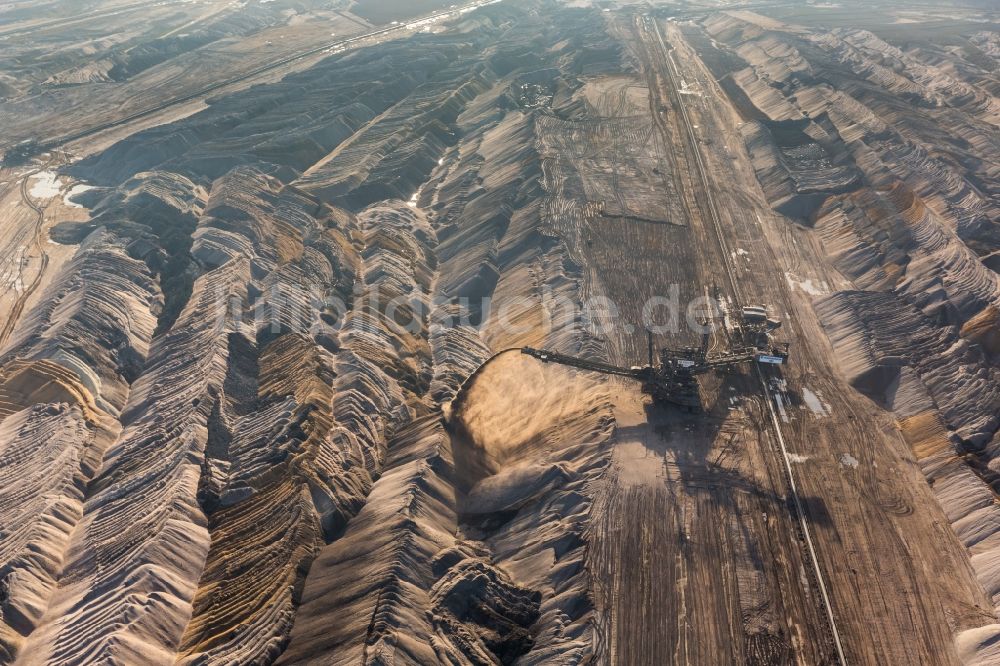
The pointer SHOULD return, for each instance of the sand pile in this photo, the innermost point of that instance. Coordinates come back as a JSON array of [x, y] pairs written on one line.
[[528, 439], [511, 408]]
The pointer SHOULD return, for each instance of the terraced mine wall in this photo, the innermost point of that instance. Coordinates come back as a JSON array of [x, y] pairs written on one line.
[[895, 166], [222, 430], [261, 416]]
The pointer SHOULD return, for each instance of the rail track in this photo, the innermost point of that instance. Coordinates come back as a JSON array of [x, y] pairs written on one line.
[[695, 152]]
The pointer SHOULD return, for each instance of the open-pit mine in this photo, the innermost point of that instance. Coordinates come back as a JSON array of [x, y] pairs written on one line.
[[342, 332]]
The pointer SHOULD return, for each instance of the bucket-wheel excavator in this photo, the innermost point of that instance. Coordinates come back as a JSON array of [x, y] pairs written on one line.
[[672, 379]]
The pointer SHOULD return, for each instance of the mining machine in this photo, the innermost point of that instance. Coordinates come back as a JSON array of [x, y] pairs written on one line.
[[672, 377]]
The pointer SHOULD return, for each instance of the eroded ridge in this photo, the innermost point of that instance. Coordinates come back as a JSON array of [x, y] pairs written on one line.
[[267, 403]]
